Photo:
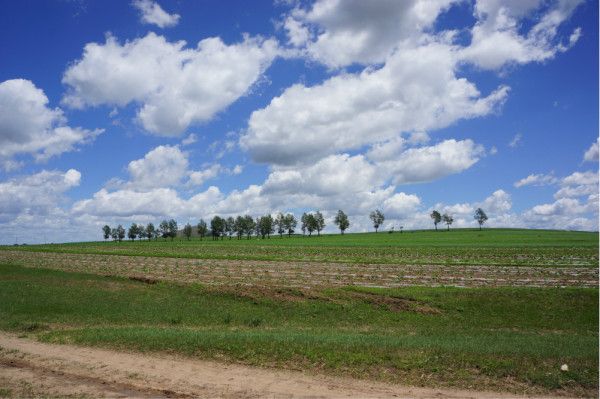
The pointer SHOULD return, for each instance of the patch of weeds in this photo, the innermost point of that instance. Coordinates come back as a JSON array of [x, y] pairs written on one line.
[[175, 320], [5, 393], [33, 327], [227, 319], [255, 322]]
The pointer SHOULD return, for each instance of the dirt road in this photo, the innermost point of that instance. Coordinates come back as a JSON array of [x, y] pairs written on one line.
[[30, 368]]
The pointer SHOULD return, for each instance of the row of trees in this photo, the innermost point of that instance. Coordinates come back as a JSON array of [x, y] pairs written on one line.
[[166, 229], [479, 216], [263, 226]]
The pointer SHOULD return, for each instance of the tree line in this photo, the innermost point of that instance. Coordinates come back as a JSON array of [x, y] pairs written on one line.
[[262, 227]]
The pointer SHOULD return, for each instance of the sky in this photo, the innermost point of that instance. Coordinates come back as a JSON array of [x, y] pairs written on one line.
[[113, 112]]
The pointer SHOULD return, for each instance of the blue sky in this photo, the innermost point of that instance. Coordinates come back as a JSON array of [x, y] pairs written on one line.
[[119, 112]]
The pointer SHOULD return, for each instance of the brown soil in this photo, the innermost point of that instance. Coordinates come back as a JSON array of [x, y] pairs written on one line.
[[29, 368], [302, 275]]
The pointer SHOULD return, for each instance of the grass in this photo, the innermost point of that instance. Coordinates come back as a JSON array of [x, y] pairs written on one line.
[[460, 246], [503, 338]]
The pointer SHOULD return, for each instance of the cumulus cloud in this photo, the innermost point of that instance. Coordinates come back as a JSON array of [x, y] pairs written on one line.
[[29, 126], [36, 195], [163, 166], [354, 31], [578, 184], [167, 167], [340, 33], [415, 91], [152, 13], [423, 164], [499, 38], [175, 86], [591, 155], [199, 177]]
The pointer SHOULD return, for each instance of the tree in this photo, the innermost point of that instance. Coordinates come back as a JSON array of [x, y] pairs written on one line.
[[187, 231], [341, 220], [280, 224], [202, 229], [448, 219], [290, 223], [257, 228], [311, 223], [229, 225], [172, 229], [163, 229], [238, 227], [217, 226], [151, 232], [304, 221], [319, 222], [114, 234], [106, 231], [480, 216], [141, 230], [435, 215], [249, 226], [120, 233], [132, 232], [266, 226], [377, 217]]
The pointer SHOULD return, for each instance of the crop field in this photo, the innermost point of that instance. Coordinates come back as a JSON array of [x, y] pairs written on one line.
[[504, 247], [497, 309]]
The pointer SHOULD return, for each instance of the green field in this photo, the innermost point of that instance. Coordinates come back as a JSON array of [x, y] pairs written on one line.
[[461, 247], [491, 337], [502, 338]]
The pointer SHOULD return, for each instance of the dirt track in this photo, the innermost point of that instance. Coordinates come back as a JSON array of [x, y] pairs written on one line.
[[30, 368]]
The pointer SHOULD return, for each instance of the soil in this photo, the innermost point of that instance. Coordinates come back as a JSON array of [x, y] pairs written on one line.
[[302, 275], [30, 368]]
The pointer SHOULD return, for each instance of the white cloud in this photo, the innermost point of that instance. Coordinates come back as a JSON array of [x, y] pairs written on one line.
[[415, 91], [199, 177], [498, 37], [190, 139], [330, 176], [35, 195], [174, 85], [562, 206], [29, 126], [581, 178], [536, 180], [355, 31], [429, 163], [591, 154], [497, 203], [297, 34], [401, 205], [152, 13], [578, 184], [163, 166], [516, 140]]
